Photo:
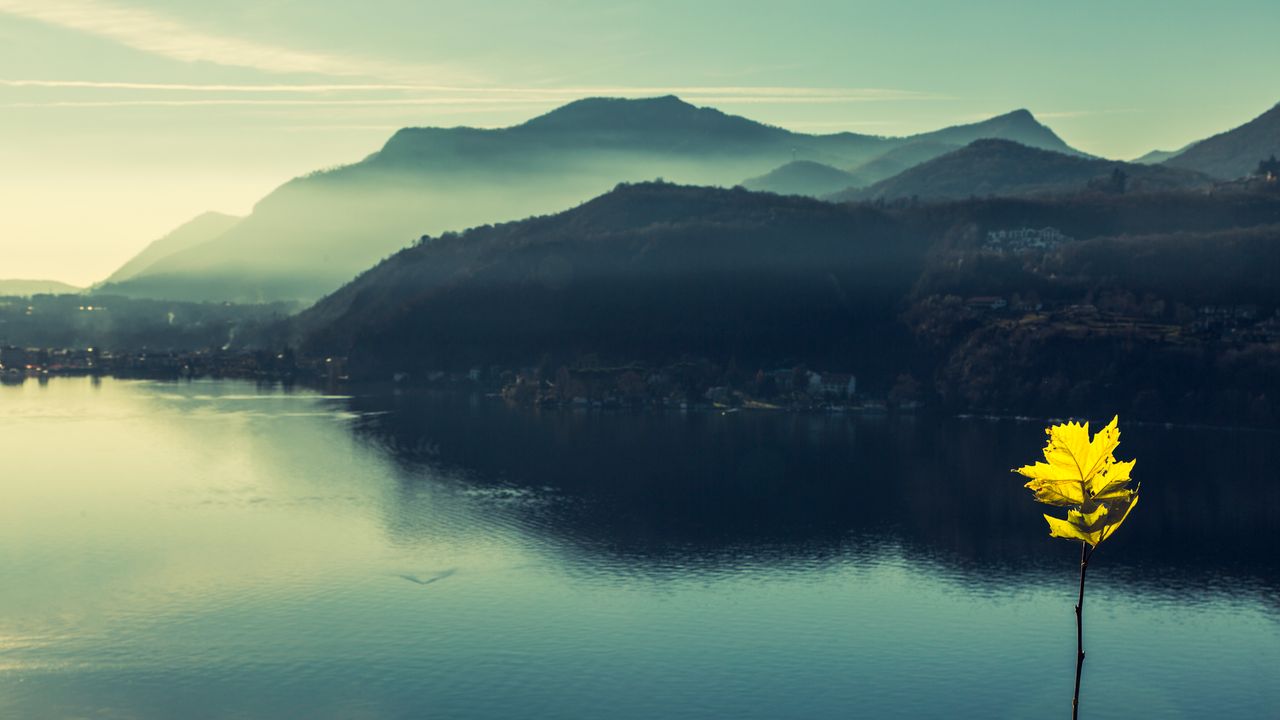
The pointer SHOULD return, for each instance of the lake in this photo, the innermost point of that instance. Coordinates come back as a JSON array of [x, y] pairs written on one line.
[[222, 550]]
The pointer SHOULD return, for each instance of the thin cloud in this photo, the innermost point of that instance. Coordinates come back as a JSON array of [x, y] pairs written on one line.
[[1050, 115], [740, 93], [210, 88], [1067, 114], [151, 33], [823, 124], [527, 101], [264, 102]]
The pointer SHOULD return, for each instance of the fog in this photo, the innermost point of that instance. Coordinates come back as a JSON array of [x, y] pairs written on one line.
[[316, 232]]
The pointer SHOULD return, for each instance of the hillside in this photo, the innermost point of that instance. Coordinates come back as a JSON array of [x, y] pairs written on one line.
[[23, 288], [646, 271], [316, 232], [897, 160], [805, 177], [1155, 157], [1000, 167], [1019, 126], [1235, 153], [802, 177], [196, 231], [659, 274]]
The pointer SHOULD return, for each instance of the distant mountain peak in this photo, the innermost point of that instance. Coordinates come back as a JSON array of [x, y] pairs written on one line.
[[610, 110], [666, 116], [27, 288], [1000, 145], [1236, 152], [202, 228], [996, 166], [1017, 125], [316, 231], [801, 177], [1021, 117]]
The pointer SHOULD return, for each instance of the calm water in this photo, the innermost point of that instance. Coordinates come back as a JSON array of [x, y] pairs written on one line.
[[215, 550]]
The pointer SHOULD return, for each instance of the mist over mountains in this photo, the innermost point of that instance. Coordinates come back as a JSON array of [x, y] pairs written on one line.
[[982, 267], [197, 231], [1004, 168], [316, 232], [22, 288]]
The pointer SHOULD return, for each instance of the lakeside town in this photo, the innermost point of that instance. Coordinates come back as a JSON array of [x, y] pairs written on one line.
[[684, 385], [689, 383]]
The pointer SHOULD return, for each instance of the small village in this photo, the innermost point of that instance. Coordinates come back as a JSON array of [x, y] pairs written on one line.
[[17, 364], [690, 385]]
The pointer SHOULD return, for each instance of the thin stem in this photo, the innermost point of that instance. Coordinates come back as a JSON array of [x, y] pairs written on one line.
[[1084, 565]]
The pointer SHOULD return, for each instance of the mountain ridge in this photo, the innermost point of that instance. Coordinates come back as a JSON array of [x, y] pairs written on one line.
[[315, 232], [200, 229], [24, 288], [1234, 153], [1006, 168]]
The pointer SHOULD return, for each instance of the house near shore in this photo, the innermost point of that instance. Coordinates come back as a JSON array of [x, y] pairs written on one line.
[[839, 385], [1023, 240], [986, 302]]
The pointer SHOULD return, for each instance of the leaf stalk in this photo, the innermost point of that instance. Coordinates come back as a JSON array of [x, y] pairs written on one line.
[[1084, 566]]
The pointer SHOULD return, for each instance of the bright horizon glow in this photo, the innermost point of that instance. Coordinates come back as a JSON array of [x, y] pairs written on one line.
[[124, 119]]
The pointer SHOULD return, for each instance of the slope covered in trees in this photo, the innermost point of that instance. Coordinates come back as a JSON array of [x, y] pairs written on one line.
[[656, 273], [1234, 153]]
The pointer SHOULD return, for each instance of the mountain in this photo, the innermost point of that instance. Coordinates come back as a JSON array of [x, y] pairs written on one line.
[[802, 177], [704, 286], [1003, 168], [1155, 157], [196, 231], [651, 267], [645, 271], [1235, 153], [815, 180], [316, 232], [898, 159], [24, 288], [1019, 126]]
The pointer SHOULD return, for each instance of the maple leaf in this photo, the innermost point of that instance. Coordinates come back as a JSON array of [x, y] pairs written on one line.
[[1083, 475]]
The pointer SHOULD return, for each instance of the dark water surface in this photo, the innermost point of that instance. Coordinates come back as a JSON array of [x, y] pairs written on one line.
[[216, 550]]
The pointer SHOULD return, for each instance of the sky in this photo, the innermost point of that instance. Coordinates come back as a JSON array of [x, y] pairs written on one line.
[[121, 119]]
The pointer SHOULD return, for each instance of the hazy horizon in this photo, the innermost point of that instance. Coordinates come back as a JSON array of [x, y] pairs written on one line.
[[125, 119]]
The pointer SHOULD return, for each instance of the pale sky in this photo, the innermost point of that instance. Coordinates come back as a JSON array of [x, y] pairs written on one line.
[[119, 120]]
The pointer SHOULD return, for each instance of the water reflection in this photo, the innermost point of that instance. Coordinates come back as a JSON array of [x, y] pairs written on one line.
[[645, 492], [224, 550]]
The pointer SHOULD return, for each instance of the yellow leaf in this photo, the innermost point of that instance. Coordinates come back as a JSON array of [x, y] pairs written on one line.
[[1109, 530], [1062, 492], [1115, 496], [1112, 476], [1045, 471], [1090, 521], [1063, 529], [1082, 474], [1068, 447], [1104, 443]]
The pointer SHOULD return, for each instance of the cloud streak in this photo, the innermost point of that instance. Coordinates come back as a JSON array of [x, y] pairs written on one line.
[[209, 88], [376, 102], [158, 35], [757, 93], [1069, 114]]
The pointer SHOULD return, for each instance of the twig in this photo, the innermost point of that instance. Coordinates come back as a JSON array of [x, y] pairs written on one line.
[[1084, 565]]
